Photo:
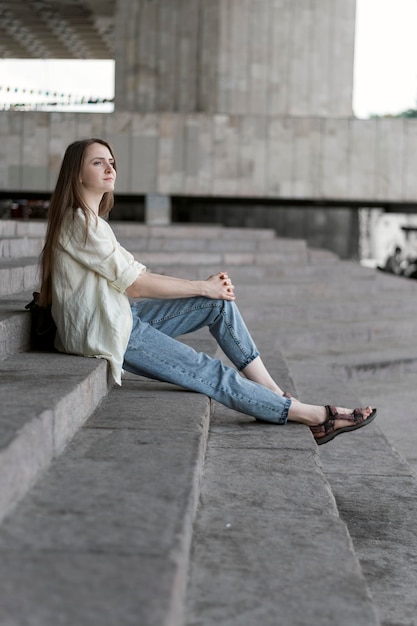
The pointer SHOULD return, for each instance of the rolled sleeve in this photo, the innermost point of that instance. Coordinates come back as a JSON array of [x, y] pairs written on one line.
[[128, 277]]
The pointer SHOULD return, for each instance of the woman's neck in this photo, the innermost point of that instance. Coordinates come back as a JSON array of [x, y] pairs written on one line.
[[93, 200]]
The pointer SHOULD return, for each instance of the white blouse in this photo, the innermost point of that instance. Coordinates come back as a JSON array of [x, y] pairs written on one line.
[[89, 304]]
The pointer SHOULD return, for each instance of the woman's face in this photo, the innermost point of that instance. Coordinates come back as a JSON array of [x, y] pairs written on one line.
[[97, 171]]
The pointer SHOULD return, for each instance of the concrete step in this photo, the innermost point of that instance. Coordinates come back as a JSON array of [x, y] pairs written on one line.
[[15, 247], [221, 259], [374, 486], [267, 515], [265, 512], [316, 309], [18, 274], [22, 228], [243, 270], [334, 335], [180, 250], [119, 508], [14, 323], [341, 281], [45, 398], [391, 380], [117, 505], [246, 243], [136, 230], [104, 537], [190, 231]]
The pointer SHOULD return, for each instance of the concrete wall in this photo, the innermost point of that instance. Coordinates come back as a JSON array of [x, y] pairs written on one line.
[[246, 57], [232, 98], [222, 155]]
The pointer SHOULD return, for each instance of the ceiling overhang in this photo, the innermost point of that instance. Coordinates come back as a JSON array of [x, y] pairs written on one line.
[[57, 29]]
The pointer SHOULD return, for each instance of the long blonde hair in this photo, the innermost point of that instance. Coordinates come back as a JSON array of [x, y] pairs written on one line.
[[67, 197]]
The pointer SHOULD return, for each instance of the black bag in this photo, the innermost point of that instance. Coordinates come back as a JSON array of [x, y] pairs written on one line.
[[43, 328]]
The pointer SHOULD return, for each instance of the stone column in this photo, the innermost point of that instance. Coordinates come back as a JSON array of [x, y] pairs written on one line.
[[248, 57], [157, 209]]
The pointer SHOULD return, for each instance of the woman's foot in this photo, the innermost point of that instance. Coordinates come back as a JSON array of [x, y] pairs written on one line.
[[326, 422], [339, 420]]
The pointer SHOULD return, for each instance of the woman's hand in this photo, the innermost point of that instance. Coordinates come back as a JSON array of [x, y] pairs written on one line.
[[219, 286]]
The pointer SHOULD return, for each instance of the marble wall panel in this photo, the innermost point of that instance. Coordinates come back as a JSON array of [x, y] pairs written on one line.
[[280, 32], [225, 155], [187, 55], [334, 158], [285, 57], [4, 162], [118, 130], [126, 26], [208, 58], [252, 156], [198, 174], [62, 132], [362, 153], [167, 56], [144, 154], [145, 69], [224, 58], [258, 57], [191, 153], [279, 151], [320, 57], [14, 149], [238, 53], [90, 125], [341, 55], [409, 190], [299, 86], [389, 158], [35, 151], [171, 153], [306, 157]]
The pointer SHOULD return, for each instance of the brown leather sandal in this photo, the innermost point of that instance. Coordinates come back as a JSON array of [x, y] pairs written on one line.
[[325, 432]]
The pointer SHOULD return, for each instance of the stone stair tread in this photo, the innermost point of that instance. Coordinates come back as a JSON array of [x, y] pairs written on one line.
[[15, 247], [117, 509], [313, 310], [375, 489], [20, 261], [14, 323], [333, 334], [221, 258], [177, 244], [22, 228], [18, 274], [268, 529], [327, 345], [45, 398], [179, 230], [114, 510], [380, 508]]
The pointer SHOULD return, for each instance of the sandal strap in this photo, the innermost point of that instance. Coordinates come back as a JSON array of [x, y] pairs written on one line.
[[328, 426]]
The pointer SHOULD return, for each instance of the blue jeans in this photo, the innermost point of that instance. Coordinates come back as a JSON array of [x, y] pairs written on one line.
[[154, 352]]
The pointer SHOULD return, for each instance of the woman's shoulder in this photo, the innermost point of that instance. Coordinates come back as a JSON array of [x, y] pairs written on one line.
[[80, 227], [82, 219]]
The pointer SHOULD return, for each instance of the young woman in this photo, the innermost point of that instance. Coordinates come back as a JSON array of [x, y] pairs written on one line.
[[88, 277]]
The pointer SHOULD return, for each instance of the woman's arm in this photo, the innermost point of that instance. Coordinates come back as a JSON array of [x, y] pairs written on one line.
[[148, 285]]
